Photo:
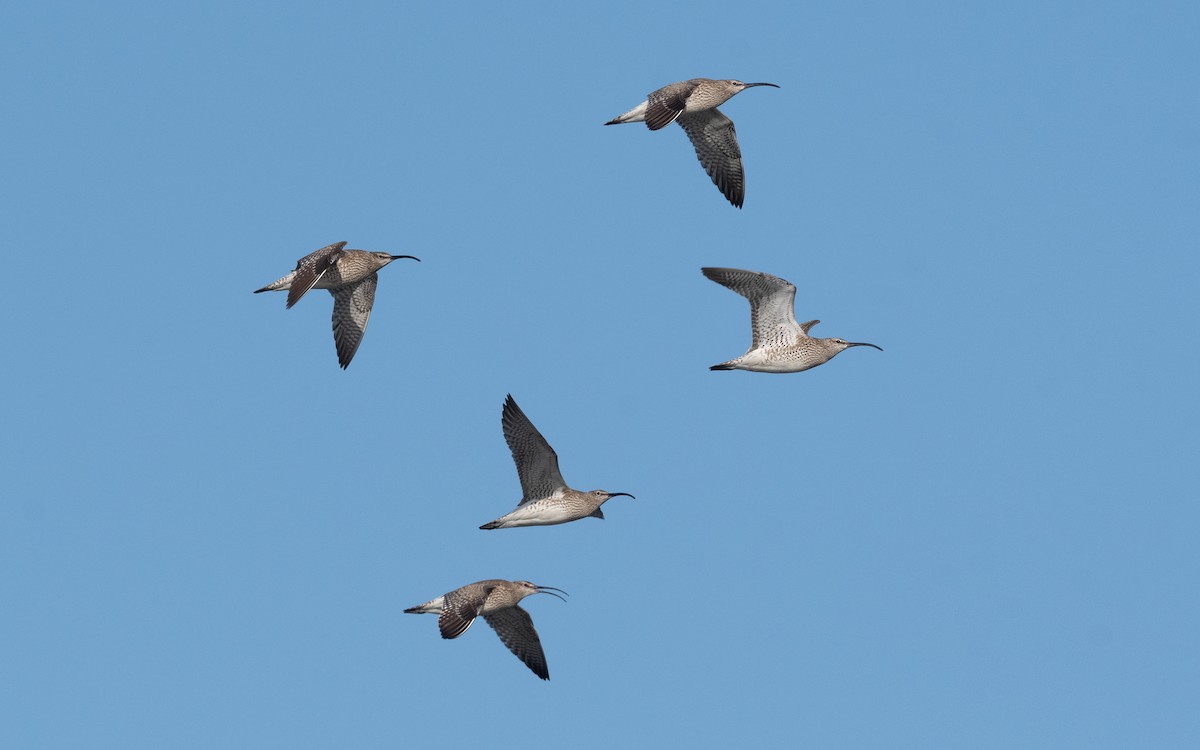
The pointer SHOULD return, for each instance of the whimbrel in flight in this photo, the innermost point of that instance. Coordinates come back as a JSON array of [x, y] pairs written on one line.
[[349, 275], [779, 343], [693, 104], [496, 600], [547, 500]]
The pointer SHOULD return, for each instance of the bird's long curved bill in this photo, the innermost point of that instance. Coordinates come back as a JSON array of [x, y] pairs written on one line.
[[550, 590], [622, 494], [852, 343], [398, 257], [748, 85]]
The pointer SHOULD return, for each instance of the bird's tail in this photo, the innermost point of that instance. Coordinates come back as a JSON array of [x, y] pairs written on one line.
[[433, 606], [637, 114], [279, 284]]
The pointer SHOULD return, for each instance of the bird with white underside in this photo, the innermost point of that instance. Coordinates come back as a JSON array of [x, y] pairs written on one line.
[[778, 343], [546, 498]]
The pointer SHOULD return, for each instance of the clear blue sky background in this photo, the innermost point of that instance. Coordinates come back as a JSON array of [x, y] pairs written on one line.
[[984, 536]]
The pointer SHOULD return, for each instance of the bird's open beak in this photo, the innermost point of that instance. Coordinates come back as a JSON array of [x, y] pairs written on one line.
[[550, 590], [880, 348]]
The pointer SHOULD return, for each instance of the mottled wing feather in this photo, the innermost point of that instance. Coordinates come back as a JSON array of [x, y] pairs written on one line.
[[460, 608], [515, 628], [537, 463], [713, 136], [772, 299], [666, 104], [310, 269], [351, 311]]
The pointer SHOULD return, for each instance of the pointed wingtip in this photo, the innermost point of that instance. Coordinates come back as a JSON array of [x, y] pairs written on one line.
[[510, 405], [490, 525], [720, 367]]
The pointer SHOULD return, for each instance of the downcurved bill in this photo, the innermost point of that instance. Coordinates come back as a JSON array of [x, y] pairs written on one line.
[[550, 590]]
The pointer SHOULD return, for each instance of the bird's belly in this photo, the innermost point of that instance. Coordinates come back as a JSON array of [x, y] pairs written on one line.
[[767, 360], [543, 514]]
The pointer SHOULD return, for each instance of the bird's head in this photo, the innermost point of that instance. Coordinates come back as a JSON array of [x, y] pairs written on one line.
[[605, 495], [528, 589], [841, 345], [743, 86], [385, 258]]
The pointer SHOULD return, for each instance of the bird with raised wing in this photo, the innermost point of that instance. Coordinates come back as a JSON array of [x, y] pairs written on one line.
[[546, 499], [779, 343]]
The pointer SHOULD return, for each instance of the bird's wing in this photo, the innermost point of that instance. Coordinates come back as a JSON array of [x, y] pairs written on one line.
[[772, 299], [310, 269], [460, 608], [351, 311], [666, 104], [716, 146], [537, 463], [515, 628]]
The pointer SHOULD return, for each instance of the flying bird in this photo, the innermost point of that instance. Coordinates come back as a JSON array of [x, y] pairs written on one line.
[[693, 104], [496, 600], [546, 498], [779, 343], [350, 276]]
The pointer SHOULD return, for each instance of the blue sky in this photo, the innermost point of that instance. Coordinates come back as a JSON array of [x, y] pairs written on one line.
[[982, 537]]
